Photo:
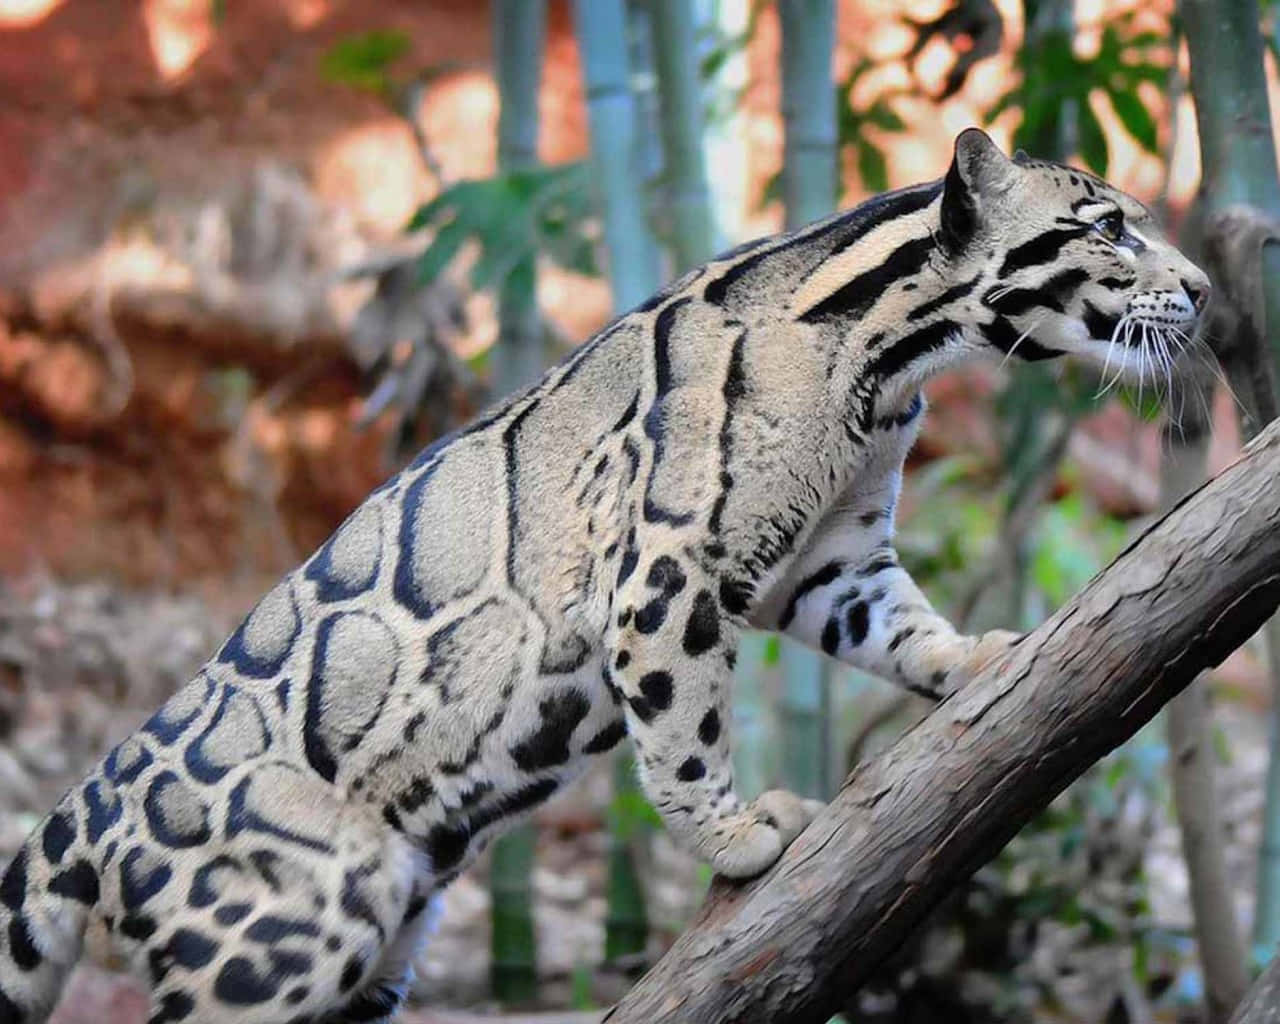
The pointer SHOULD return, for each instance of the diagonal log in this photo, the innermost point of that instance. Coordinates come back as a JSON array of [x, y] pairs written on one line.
[[909, 826]]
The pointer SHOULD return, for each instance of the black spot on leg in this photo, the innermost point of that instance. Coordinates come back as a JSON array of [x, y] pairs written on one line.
[[901, 637], [691, 770], [174, 1007], [549, 745], [702, 631], [858, 620], [666, 575], [607, 738], [13, 887], [658, 689], [831, 636], [22, 950], [642, 708], [709, 727], [351, 973], [735, 595], [622, 660]]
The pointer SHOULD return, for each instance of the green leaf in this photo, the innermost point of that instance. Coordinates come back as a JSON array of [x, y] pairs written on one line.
[[362, 60], [871, 167], [884, 117], [1137, 120], [1093, 144]]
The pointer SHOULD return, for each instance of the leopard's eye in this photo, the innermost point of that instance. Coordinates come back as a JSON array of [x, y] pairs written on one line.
[[1110, 226]]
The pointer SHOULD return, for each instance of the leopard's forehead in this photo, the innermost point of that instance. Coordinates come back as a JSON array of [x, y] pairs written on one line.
[[1082, 190]]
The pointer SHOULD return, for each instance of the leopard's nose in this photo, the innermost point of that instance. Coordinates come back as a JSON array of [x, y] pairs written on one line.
[[1197, 292]]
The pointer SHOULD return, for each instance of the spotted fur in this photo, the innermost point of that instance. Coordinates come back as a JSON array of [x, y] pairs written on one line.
[[575, 567]]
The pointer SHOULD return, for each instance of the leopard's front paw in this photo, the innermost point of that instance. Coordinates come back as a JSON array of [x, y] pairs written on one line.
[[752, 840], [986, 649]]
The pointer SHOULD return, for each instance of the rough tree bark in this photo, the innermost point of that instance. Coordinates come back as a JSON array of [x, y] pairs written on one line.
[[908, 826], [1262, 1004]]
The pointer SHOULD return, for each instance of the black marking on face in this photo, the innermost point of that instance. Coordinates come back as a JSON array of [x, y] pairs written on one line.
[[691, 769], [142, 876], [548, 746], [1099, 324], [854, 298], [952, 294], [607, 738], [709, 727], [829, 573], [1044, 248], [1003, 336], [702, 631], [910, 347]]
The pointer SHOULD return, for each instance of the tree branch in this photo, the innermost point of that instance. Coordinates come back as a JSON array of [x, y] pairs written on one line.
[[910, 825]]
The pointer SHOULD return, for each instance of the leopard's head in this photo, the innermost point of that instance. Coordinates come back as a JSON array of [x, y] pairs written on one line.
[[1071, 264]]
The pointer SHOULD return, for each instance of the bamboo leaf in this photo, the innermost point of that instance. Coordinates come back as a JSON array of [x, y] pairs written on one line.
[[871, 167], [1093, 143], [1137, 120]]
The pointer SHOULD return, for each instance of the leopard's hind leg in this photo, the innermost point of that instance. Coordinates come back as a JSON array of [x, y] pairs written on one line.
[[291, 917]]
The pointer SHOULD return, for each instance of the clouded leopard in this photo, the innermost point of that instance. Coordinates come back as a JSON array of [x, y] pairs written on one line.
[[572, 569]]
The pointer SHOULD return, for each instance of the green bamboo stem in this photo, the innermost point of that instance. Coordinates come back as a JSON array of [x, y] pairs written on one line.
[[633, 253], [1238, 165], [679, 93], [810, 185], [616, 154], [518, 30]]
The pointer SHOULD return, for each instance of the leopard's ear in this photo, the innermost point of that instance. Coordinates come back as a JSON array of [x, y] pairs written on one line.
[[978, 172]]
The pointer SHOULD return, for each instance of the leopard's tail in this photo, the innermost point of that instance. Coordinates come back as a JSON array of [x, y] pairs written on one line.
[[46, 894]]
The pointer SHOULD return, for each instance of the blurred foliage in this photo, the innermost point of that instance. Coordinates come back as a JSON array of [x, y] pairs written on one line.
[[364, 61], [512, 218], [1056, 84]]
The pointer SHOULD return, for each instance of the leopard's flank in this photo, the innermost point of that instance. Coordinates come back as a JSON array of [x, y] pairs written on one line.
[[573, 569]]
